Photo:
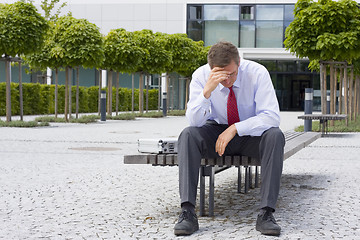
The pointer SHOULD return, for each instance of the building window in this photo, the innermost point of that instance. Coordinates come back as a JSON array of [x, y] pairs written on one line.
[[247, 13], [216, 31], [221, 23], [269, 34], [247, 34], [221, 12], [269, 26], [195, 12], [195, 30]]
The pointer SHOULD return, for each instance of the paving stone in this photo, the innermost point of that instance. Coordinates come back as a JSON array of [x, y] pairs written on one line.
[[68, 181]]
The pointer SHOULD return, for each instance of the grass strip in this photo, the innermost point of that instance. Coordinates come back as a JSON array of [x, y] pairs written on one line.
[[23, 124], [339, 126]]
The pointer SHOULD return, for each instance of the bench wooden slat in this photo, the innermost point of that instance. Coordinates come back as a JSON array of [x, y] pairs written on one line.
[[323, 116], [294, 145]]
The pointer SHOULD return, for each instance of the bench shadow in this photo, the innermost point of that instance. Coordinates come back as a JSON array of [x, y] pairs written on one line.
[[297, 192], [338, 135]]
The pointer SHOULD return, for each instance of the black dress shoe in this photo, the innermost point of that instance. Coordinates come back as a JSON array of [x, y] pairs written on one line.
[[187, 224], [266, 224]]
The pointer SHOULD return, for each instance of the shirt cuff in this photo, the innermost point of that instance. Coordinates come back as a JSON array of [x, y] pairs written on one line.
[[203, 102]]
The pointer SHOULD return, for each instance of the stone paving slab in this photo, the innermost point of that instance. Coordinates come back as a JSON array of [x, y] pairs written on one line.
[[68, 181]]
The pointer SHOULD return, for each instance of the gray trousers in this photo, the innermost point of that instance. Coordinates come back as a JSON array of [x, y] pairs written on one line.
[[199, 142]]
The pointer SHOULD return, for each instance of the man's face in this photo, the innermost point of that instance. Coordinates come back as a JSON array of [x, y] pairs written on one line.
[[232, 72]]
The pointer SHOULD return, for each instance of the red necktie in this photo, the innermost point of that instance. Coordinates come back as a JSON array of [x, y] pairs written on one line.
[[232, 110]]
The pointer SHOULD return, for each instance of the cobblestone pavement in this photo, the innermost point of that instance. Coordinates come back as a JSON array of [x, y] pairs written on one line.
[[68, 181]]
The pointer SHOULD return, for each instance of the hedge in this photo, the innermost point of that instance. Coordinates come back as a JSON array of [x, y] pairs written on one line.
[[39, 99]]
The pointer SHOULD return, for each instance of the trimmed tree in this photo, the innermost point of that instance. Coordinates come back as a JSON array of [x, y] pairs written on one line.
[[185, 55], [122, 54], [77, 42], [325, 31], [22, 31], [154, 61]]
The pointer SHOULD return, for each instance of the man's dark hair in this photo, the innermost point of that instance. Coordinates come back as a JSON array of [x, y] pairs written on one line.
[[222, 53]]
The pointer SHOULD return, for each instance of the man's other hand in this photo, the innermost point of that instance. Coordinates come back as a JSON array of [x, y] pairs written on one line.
[[224, 138]]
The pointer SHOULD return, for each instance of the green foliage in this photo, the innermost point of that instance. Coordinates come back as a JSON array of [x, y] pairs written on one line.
[[40, 99], [122, 51], [156, 59], [49, 7], [22, 29], [22, 124], [201, 59], [123, 116], [77, 42], [325, 30], [185, 52], [70, 42], [81, 119], [176, 113]]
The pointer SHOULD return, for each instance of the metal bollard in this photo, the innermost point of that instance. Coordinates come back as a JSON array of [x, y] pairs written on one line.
[[103, 106], [164, 104], [308, 108], [328, 103]]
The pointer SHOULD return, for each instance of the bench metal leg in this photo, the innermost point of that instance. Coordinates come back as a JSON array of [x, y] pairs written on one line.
[[211, 191], [251, 177], [202, 191], [239, 179], [256, 176], [210, 172], [246, 188]]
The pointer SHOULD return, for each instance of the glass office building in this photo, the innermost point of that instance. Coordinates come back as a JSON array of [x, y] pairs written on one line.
[[256, 27]]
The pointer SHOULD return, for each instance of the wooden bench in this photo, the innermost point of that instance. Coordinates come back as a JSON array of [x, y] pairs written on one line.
[[323, 119], [209, 167]]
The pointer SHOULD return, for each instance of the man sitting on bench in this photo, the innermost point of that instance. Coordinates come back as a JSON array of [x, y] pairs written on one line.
[[233, 110]]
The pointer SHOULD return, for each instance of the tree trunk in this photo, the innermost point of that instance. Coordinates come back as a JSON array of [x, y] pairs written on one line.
[[109, 100], [132, 92], [56, 91], [187, 92], [172, 82], [358, 95], [351, 94], [167, 92], [356, 98], [321, 88], [335, 89], [99, 97], [332, 97], [117, 92], [346, 94], [147, 92], [141, 94], [70, 92], [341, 83], [77, 92], [21, 94], [159, 92], [66, 93], [8, 89]]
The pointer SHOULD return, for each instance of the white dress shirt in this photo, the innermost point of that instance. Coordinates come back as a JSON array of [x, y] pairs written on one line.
[[255, 96]]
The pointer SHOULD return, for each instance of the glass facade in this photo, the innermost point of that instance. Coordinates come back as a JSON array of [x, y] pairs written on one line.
[[246, 26], [290, 78], [257, 26]]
